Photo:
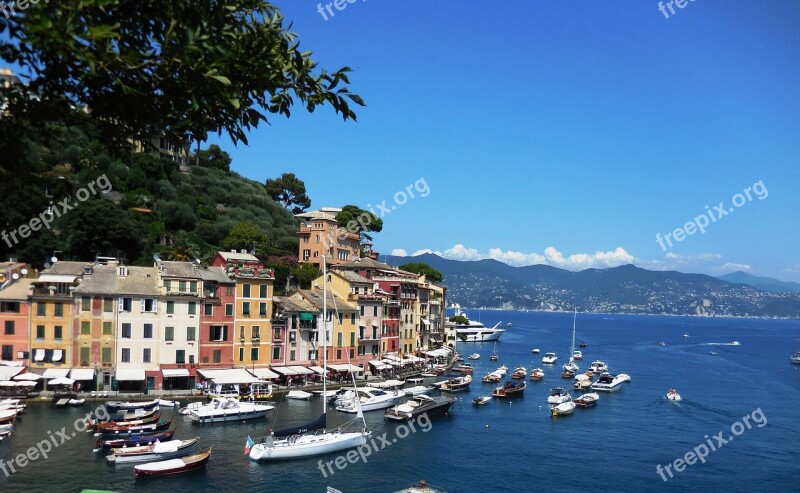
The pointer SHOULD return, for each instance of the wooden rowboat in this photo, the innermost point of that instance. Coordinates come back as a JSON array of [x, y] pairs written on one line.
[[173, 466]]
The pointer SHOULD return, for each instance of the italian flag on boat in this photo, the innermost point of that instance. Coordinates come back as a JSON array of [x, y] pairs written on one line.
[[249, 443]]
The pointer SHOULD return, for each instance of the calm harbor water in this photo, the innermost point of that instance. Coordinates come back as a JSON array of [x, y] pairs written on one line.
[[515, 446]]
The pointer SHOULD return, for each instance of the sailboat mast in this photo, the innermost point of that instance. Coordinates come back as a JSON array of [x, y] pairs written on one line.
[[324, 335]]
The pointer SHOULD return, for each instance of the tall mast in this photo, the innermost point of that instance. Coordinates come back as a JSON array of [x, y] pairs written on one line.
[[324, 336], [574, 320]]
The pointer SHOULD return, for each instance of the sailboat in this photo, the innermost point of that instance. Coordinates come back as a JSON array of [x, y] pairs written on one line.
[[571, 366], [493, 356], [312, 438]]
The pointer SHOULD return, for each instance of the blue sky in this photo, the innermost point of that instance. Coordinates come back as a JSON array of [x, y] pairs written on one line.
[[566, 133]]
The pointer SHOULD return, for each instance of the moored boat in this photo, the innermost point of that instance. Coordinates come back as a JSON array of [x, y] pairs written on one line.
[[492, 377], [421, 404], [587, 400], [537, 374], [154, 452], [456, 384], [519, 372], [474, 356], [582, 382], [795, 358], [370, 399], [563, 409], [609, 383], [417, 390], [549, 358], [510, 389], [222, 409], [173, 466], [535, 350], [558, 395], [135, 429], [117, 406], [148, 439], [577, 355], [479, 401], [299, 395], [599, 367]]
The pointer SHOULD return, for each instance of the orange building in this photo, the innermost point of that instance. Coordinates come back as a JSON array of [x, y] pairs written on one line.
[[321, 235]]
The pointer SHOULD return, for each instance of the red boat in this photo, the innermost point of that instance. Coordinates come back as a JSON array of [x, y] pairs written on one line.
[[174, 466], [510, 389]]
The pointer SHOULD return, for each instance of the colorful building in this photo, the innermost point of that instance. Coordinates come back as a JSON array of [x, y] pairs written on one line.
[[342, 320], [14, 320], [321, 235], [217, 318]]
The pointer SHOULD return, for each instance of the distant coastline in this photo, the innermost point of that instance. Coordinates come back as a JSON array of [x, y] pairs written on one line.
[[523, 310]]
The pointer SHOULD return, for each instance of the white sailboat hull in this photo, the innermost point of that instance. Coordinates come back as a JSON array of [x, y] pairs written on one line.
[[308, 446]]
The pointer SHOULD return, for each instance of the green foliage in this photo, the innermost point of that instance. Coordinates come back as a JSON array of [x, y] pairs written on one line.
[[182, 248], [290, 191], [245, 236], [459, 319], [305, 274], [422, 268], [214, 157], [98, 227], [358, 220], [181, 67]]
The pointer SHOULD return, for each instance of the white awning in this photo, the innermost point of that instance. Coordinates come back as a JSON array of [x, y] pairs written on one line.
[[285, 371], [379, 365], [318, 369], [58, 355], [55, 373], [391, 357], [264, 373], [9, 372], [56, 278], [302, 370], [130, 375], [424, 321], [391, 362], [350, 368], [174, 372], [28, 377], [38, 355], [413, 359], [438, 353], [82, 374], [228, 376]]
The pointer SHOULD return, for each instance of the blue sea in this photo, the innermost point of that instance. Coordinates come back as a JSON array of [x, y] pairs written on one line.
[[516, 446]]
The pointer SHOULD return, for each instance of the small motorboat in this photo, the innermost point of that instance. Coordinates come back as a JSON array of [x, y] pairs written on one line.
[[173, 466], [610, 383], [457, 384], [479, 401], [417, 390], [418, 405], [583, 344], [567, 373], [299, 395], [558, 395], [535, 350], [149, 419], [599, 367], [582, 382], [587, 400], [549, 358], [77, 401], [736, 343], [713, 353], [167, 403], [577, 356], [117, 406], [537, 374], [387, 384], [662, 343], [192, 406], [563, 409], [673, 395], [324, 393], [795, 358], [153, 452], [134, 440], [492, 377], [510, 389], [519, 372], [685, 335], [161, 425], [474, 356], [502, 370], [493, 357]]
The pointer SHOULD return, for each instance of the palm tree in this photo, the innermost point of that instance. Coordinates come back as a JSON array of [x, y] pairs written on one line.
[[182, 249]]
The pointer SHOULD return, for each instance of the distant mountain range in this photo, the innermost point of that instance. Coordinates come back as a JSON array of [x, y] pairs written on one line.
[[624, 289], [765, 283]]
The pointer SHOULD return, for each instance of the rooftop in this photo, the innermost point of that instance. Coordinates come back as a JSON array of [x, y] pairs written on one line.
[[104, 279], [238, 257]]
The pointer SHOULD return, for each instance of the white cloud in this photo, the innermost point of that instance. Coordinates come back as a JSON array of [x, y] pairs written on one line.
[[399, 252], [551, 256], [423, 251], [460, 252], [732, 267], [511, 257]]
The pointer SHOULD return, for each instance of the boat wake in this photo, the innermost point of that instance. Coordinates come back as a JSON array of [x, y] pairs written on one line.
[[703, 407], [734, 343]]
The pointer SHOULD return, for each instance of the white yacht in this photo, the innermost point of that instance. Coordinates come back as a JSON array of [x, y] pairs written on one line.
[[225, 409], [795, 358], [599, 367], [558, 395], [610, 383], [371, 399], [549, 358], [477, 332]]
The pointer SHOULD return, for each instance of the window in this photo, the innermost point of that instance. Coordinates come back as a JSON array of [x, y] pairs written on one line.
[[86, 303], [246, 307], [169, 333], [217, 356], [192, 308], [85, 355], [167, 285], [9, 328], [146, 355], [362, 310], [105, 356], [262, 309], [180, 356], [229, 310], [86, 327], [182, 286], [241, 354], [339, 339], [292, 336], [170, 307], [338, 354], [59, 309], [208, 309], [353, 318], [9, 306], [351, 354], [352, 338], [312, 355], [40, 331], [276, 353], [254, 354], [41, 309], [291, 355], [148, 331], [8, 352], [190, 333], [191, 359], [256, 332], [108, 305], [126, 331], [262, 291], [193, 286], [229, 290], [375, 311], [219, 333], [149, 305], [341, 318], [126, 355], [125, 304], [245, 290], [57, 332], [107, 329]]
